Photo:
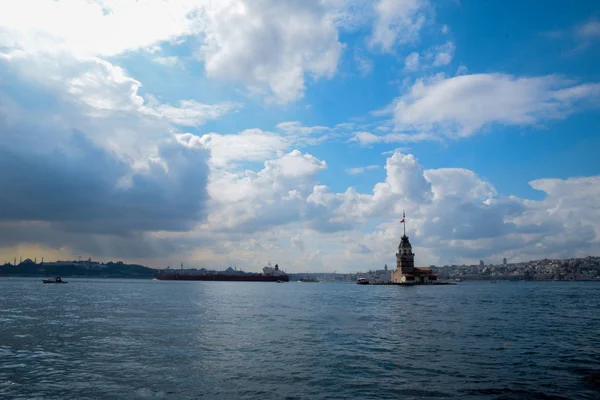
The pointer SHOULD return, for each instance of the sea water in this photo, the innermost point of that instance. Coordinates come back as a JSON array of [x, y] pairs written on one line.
[[138, 339]]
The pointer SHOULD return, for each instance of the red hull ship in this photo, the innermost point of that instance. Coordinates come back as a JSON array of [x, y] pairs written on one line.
[[222, 277], [270, 275]]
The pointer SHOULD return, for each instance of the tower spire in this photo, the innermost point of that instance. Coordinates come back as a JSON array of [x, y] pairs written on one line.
[[403, 221]]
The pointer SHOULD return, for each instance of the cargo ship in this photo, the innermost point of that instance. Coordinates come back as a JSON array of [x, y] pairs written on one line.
[[270, 274]]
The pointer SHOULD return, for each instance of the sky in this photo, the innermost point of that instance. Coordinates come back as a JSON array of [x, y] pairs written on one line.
[[298, 132]]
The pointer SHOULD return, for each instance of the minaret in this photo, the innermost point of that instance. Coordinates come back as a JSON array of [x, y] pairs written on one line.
[[405, 258]]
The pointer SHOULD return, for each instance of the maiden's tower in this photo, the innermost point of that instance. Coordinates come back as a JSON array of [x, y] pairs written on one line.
[[406, 272]]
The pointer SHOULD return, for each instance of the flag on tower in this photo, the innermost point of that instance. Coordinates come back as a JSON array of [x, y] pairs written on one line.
[[402, 221]]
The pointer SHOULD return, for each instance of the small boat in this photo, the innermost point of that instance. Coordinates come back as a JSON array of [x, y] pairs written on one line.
[[362, 281], [55, 280]]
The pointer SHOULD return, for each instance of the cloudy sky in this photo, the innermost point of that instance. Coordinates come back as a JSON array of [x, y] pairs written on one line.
[[218, 132]]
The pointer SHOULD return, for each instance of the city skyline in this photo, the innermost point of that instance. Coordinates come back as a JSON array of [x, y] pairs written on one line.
[[237, 132]]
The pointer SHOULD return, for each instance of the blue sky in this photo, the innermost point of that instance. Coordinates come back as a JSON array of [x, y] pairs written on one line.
[[518, 44], [311, 124]]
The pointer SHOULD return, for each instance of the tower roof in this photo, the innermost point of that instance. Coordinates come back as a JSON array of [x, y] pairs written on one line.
[[404, 242]]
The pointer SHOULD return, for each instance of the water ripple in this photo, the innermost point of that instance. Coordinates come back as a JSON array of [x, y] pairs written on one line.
[[216, 340]]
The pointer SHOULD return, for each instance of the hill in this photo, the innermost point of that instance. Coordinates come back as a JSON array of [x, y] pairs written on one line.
[[118, 269]]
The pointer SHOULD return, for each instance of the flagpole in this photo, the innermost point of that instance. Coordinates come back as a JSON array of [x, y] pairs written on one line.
[[404, 222]]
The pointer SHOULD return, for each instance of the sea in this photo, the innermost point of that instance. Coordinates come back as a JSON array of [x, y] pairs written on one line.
[[146, 339]]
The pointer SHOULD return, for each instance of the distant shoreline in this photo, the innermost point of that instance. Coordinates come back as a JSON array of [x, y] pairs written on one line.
[[546, 270], [76, 277]]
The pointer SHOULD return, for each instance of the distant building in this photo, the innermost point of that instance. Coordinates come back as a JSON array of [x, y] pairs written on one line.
[[235, 271], [481, 263], [380, 275], [504, 261], [406, 272]]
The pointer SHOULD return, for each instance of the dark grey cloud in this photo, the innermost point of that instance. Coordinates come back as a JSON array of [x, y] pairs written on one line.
[[133, 244], [323, 223], [67, 176], [80, 187]]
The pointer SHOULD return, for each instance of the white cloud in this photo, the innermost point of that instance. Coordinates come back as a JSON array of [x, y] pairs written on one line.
[[368, 138], [454, 215], [405, 175], [100, 28], [589, 29], [169, 61], [248, 145], [272, 47], [361, 170], [411, 62], [92, 96], [445, 29], [364, 65], [256, 145], [566, 195], [358, 248], [443, 54], [296, 128], [192, 113], [298, 242], [287, 191], [437, 56], [298, 134], [579, 37], [459, 183], [250, 201], [462, 70], [270, 51], [105, 87], [461, 218], [463, 105], [397, 150], [396, 22], [349, 15], [99, 88]]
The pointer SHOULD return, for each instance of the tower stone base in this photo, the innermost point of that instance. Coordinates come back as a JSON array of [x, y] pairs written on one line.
[[397, 276]]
